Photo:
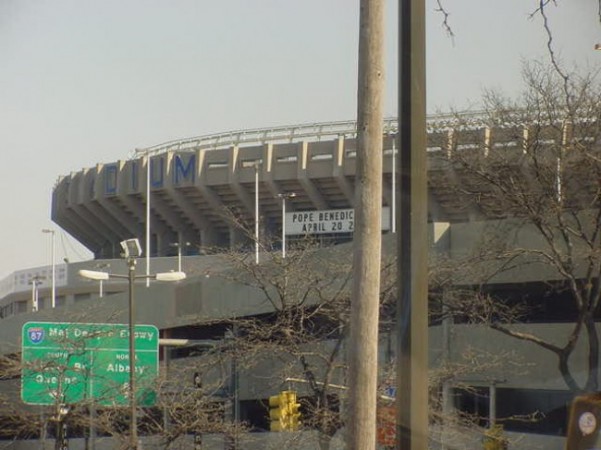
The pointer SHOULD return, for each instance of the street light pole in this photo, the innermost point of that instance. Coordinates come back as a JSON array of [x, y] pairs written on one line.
[[179, 254], [101, 282], [34, 299], [284, 197], [393, 205], [53, 288], [257, 163], [147, 219], [131, 265], [131, 251], [283, 227], [146, 152], [35, 282]]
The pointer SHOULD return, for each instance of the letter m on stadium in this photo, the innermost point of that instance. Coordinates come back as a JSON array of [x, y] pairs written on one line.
[[184, 168]]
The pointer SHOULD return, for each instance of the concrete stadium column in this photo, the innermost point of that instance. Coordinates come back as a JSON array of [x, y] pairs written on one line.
[[450, 143], [161, 244], [237, 237], [209, 238], [165, 241], [338, 171], [273, 187], [440, 237], [312, 192], [189, 242], [241, 192]]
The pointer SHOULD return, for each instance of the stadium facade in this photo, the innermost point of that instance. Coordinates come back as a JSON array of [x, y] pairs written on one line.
[[203, 189]]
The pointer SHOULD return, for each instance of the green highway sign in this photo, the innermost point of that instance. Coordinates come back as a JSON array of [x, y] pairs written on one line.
[[76, 362]]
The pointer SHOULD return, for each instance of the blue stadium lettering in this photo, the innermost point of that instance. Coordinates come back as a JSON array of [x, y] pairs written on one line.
[[184, 172], [110, 179], [134, 176], [157, 172]]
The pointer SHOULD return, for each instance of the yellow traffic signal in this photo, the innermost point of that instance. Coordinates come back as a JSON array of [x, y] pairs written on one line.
[[278, 412], [294, 409], [284, 412]]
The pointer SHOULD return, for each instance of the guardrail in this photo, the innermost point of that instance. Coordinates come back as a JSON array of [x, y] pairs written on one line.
[[294, 133]]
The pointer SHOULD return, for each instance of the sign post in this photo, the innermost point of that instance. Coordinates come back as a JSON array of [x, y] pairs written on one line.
[[74, 362]]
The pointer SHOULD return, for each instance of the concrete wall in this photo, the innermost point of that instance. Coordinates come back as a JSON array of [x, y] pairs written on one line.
[[502, 237]]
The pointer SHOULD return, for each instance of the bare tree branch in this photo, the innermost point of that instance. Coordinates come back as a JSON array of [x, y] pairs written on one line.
[[445, 18]]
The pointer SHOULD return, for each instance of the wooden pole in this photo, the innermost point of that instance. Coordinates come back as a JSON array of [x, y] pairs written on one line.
[[363, 348]]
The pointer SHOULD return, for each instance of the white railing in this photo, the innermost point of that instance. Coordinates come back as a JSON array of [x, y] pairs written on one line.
[[295, 133]]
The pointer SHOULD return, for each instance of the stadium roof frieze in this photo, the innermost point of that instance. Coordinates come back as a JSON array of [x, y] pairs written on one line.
[[307, 131]]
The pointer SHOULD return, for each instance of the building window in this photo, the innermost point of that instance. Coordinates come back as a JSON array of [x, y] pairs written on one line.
[[538, 411], [541, 411], [79, 297], [7, 310], [474, 401]]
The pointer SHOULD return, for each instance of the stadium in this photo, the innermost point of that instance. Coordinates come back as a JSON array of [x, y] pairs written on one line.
[[252, 192]]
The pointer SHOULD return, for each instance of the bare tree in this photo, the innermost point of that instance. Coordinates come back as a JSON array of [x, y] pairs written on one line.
[[535, 164], [306, 297]]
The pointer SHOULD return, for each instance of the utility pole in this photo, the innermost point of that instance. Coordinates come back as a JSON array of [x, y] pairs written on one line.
[[412, 237], [363, 348]]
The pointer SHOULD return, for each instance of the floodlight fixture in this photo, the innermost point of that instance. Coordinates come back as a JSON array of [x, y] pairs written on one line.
[[287, 195], [170, 276], [103, 276], [131, 248], [94, 275]]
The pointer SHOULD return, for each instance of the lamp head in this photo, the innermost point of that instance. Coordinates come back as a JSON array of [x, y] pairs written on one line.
[[252, 163], [170, 276], [94, 275], [131, 248], [287, 195]]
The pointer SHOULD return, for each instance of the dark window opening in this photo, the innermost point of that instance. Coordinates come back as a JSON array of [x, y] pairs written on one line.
[[537, 411], [540, 411], [475, 402]]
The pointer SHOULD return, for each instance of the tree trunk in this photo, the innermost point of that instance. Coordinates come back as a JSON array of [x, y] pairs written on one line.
[[592, 384]]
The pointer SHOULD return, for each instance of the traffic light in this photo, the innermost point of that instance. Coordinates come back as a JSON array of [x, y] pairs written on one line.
[[277, 412], [294, 409], [284, 412]]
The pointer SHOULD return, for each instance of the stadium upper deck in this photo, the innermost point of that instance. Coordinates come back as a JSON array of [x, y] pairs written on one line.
[[202, 188]]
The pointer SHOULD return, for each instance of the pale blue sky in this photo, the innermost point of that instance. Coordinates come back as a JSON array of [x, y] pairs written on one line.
[[87, 81]]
